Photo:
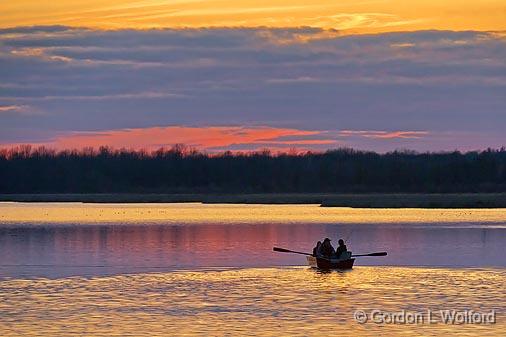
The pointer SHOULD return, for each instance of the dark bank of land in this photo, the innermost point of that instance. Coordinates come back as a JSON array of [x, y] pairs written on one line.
[[342, 177], [453, 200]]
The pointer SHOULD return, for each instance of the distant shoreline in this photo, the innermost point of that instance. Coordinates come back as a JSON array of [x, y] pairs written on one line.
[[370, 200]]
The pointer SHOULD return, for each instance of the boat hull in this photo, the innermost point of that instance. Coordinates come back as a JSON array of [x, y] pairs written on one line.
[[320, 263]]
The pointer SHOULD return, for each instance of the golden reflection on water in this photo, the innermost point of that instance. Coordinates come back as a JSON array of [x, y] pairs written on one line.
[[233, 213], [265, 302]]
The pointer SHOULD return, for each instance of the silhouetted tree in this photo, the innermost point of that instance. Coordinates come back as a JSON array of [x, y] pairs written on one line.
[[181, 168]]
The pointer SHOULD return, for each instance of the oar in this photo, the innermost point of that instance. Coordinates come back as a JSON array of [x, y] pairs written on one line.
[[372, 254], [282, 250]]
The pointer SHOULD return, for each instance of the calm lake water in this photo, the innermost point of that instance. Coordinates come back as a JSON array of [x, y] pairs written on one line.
[[176, 269]]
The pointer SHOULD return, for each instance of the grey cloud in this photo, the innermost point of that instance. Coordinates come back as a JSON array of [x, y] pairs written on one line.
[[34, 29], [90, 80]]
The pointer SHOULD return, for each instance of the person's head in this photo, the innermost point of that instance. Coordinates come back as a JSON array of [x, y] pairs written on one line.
[[318, 243], [326, 241], [341, 242]]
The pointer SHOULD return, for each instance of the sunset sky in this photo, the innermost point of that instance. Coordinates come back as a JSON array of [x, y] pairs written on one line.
[[246, 75]]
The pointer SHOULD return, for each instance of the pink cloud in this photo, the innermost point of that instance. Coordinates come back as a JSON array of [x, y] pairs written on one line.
[[199, 137], [5, 108], [234, 138]]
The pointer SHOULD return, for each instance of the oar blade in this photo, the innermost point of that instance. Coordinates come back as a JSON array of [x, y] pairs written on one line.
[[282, 250], [371, 254], [378, 254]]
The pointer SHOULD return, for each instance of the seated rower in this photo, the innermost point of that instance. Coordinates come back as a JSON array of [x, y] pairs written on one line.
[[341, 248], [327, 250], [317, 250]]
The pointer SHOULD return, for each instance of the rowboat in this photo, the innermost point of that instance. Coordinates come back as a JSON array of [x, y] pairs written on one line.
[[346, 262]]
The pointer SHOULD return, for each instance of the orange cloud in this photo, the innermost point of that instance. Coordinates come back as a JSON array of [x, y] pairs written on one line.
[[199, 137], [222, 138], [347, 16]]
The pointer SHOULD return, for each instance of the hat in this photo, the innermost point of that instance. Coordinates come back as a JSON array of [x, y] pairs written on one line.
[[327, 239]]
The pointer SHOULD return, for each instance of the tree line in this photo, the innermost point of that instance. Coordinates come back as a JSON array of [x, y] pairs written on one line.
[[181, 169]]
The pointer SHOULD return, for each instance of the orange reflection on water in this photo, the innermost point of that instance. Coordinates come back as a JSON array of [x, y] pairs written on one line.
[[265, 302], [233, 213]]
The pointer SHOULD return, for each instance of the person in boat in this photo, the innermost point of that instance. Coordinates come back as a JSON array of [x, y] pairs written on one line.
[[317, 250], [326, 249], [341, 248]]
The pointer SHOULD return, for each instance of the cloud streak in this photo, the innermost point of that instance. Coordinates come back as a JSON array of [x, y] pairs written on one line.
[[4, 108], [384, 134]]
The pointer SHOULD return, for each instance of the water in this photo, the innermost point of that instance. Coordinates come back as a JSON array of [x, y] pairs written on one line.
[[173, 269]]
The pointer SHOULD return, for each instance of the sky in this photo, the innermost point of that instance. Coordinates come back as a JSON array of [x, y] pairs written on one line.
[[248, 75]]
